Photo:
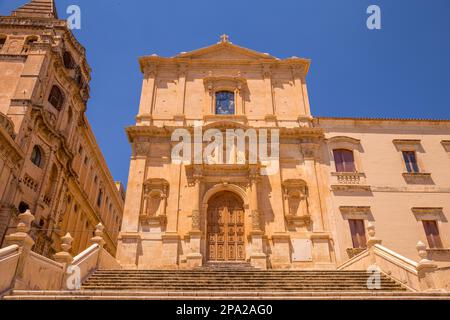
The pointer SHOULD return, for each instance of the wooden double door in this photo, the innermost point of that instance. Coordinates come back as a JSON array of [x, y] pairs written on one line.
[[226, 228]]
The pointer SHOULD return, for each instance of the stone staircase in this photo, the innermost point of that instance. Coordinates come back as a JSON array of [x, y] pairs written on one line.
[[231, 280], [225, 281]]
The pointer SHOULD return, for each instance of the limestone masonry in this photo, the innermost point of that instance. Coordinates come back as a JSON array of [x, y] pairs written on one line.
[[346, 195]]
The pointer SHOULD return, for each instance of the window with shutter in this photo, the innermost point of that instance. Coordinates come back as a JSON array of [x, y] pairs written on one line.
[[344, 160], [358, 233], [410, 161], [432, 232]]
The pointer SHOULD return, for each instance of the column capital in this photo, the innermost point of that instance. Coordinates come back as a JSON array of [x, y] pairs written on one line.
[[310, 150]]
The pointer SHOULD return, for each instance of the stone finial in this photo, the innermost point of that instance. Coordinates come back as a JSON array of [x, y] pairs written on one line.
[[21, 236], [98, 238], [66, 244], [422, 251], [425, 265], [371, 231], [25, 220]]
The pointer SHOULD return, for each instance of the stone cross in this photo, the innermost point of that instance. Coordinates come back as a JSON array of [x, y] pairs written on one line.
[[224, 38]]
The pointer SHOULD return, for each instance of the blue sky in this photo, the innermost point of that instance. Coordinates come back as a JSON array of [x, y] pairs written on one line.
[[402, 70]]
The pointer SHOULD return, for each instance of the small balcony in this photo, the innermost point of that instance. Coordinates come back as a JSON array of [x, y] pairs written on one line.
[[349, 181]]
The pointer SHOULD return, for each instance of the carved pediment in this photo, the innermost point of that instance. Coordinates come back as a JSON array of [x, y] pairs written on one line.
[[225, 50]]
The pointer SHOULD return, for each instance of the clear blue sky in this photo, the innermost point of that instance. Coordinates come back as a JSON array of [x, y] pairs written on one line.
[[402, 70]]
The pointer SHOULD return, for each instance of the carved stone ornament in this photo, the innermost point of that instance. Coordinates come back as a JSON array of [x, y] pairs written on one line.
[[141, 149]]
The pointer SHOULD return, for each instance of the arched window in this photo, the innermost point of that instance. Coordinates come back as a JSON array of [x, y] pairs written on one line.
[[36, 156], [225, 102], [69, 63], [2, 41], [56, 98], [28, 42], [344, 160]]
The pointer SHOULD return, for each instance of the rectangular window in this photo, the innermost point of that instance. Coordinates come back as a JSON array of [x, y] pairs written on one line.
[[432, 232], [358, 233], [410, 161], [344, 160]]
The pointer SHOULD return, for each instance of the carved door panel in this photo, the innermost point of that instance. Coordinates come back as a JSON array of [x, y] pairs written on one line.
[[226, 230]]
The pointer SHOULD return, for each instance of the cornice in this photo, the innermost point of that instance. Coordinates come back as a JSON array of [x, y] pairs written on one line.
[[317, 120], [310, 134], [13, 150], [162, 61]]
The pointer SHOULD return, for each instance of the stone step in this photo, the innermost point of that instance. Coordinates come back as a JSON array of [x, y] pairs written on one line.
[[238, 287], [240, 272], [235, 280], [225, 281], [165, 295], [223, 276]]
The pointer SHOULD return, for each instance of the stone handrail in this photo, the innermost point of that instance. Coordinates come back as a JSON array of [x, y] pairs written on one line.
[[417, 276], [108, 262], [391, 263], [40, 273], [9, 258], [23, 269], [88, 261]]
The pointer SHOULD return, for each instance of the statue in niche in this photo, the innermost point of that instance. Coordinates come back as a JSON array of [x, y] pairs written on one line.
[[295, 197]]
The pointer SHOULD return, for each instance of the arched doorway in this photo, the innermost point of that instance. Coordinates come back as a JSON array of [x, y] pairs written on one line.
[[226, 227]]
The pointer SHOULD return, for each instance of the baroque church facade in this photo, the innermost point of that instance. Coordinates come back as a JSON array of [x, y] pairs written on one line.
[[336, 177], [50, 163]]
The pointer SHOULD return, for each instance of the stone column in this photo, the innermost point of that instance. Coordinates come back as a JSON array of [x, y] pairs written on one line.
[[181, 90], [195, 258], [267, 76], [258, 258], [148, 94], [310, 152], [66, 259], [297, 73]]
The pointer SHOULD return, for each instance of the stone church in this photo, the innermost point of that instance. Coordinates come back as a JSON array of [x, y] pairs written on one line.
[[235, 189], [336, 177]]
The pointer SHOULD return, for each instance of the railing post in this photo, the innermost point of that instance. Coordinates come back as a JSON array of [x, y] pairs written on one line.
[[64, 257], [98, 239], [21, 238], [425, 268]]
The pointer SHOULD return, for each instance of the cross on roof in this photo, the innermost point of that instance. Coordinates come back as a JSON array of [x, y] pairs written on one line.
[[224, 38]]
